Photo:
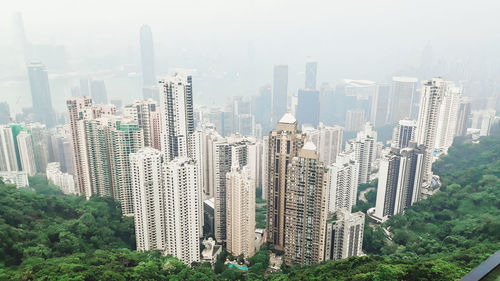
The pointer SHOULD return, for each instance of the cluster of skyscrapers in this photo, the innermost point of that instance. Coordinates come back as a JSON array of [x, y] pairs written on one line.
[[185, 172]]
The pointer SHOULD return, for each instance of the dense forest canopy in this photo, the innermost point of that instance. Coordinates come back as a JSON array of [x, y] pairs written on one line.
[[45, 235]]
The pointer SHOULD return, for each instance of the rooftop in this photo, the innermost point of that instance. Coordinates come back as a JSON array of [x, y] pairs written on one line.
[[309, 146], [288, 118]]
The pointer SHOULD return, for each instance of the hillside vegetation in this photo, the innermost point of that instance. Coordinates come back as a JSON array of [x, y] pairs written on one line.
[[48, 236]]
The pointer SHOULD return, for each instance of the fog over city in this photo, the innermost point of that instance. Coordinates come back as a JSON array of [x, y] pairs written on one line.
[[249, 140], [230, 47]]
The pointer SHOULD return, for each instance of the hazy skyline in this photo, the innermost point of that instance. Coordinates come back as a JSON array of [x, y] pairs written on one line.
[[350, 39]]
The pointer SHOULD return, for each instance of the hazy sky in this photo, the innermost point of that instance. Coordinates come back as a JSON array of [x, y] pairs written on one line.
[[360, 39]]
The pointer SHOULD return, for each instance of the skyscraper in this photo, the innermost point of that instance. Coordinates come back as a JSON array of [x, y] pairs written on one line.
[[380, 105], [308, 107], [177, 119], [354, 120], [448, 117], [463, 117], [400, 180], [148, 187], [8, 159], [26, 153], [147, 57], [364, 150], [430, 104], [5, 117], [311, 69], [403, 98], [98, 92], [81, 115], [182, 209], [40, 94], [404, 133], [343, 182], [306, 208], [227, 153], [123, 138], [144, 113], [284, 144], [262, 108], [328, 141], [240, 212], [344, 235], [64, 180], [280, 91]]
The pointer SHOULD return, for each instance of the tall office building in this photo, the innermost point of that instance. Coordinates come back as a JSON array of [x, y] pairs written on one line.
[[182, 209], [177, 119], [403, 98], [430, 104], [240, 212], [364, 149], [328, 141], [280, 91], [380, 105], [311, 70], [5, 117], [262, 108], [98, 92], [26, 153], [400, 180], [284, 144], [308, 107], [147, 61], [149, 83], [404, 133], [344, 235], [306, 208], [144, 112], [463, 117], [448, 118], [40, 94], [354, 120], [8, 159], [148, 187], [343, 182]]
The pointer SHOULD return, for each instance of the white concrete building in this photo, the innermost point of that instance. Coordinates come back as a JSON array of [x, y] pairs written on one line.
[[143, 112], [240, 212], [364, 148], [182, 209], [448, 118], [344, 235], [400, 180], [64, 180], [148, 187], [26, 154], [8, 160], [17, 178], [328, 141], [428, 119], [343, 182], [404, 133]]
